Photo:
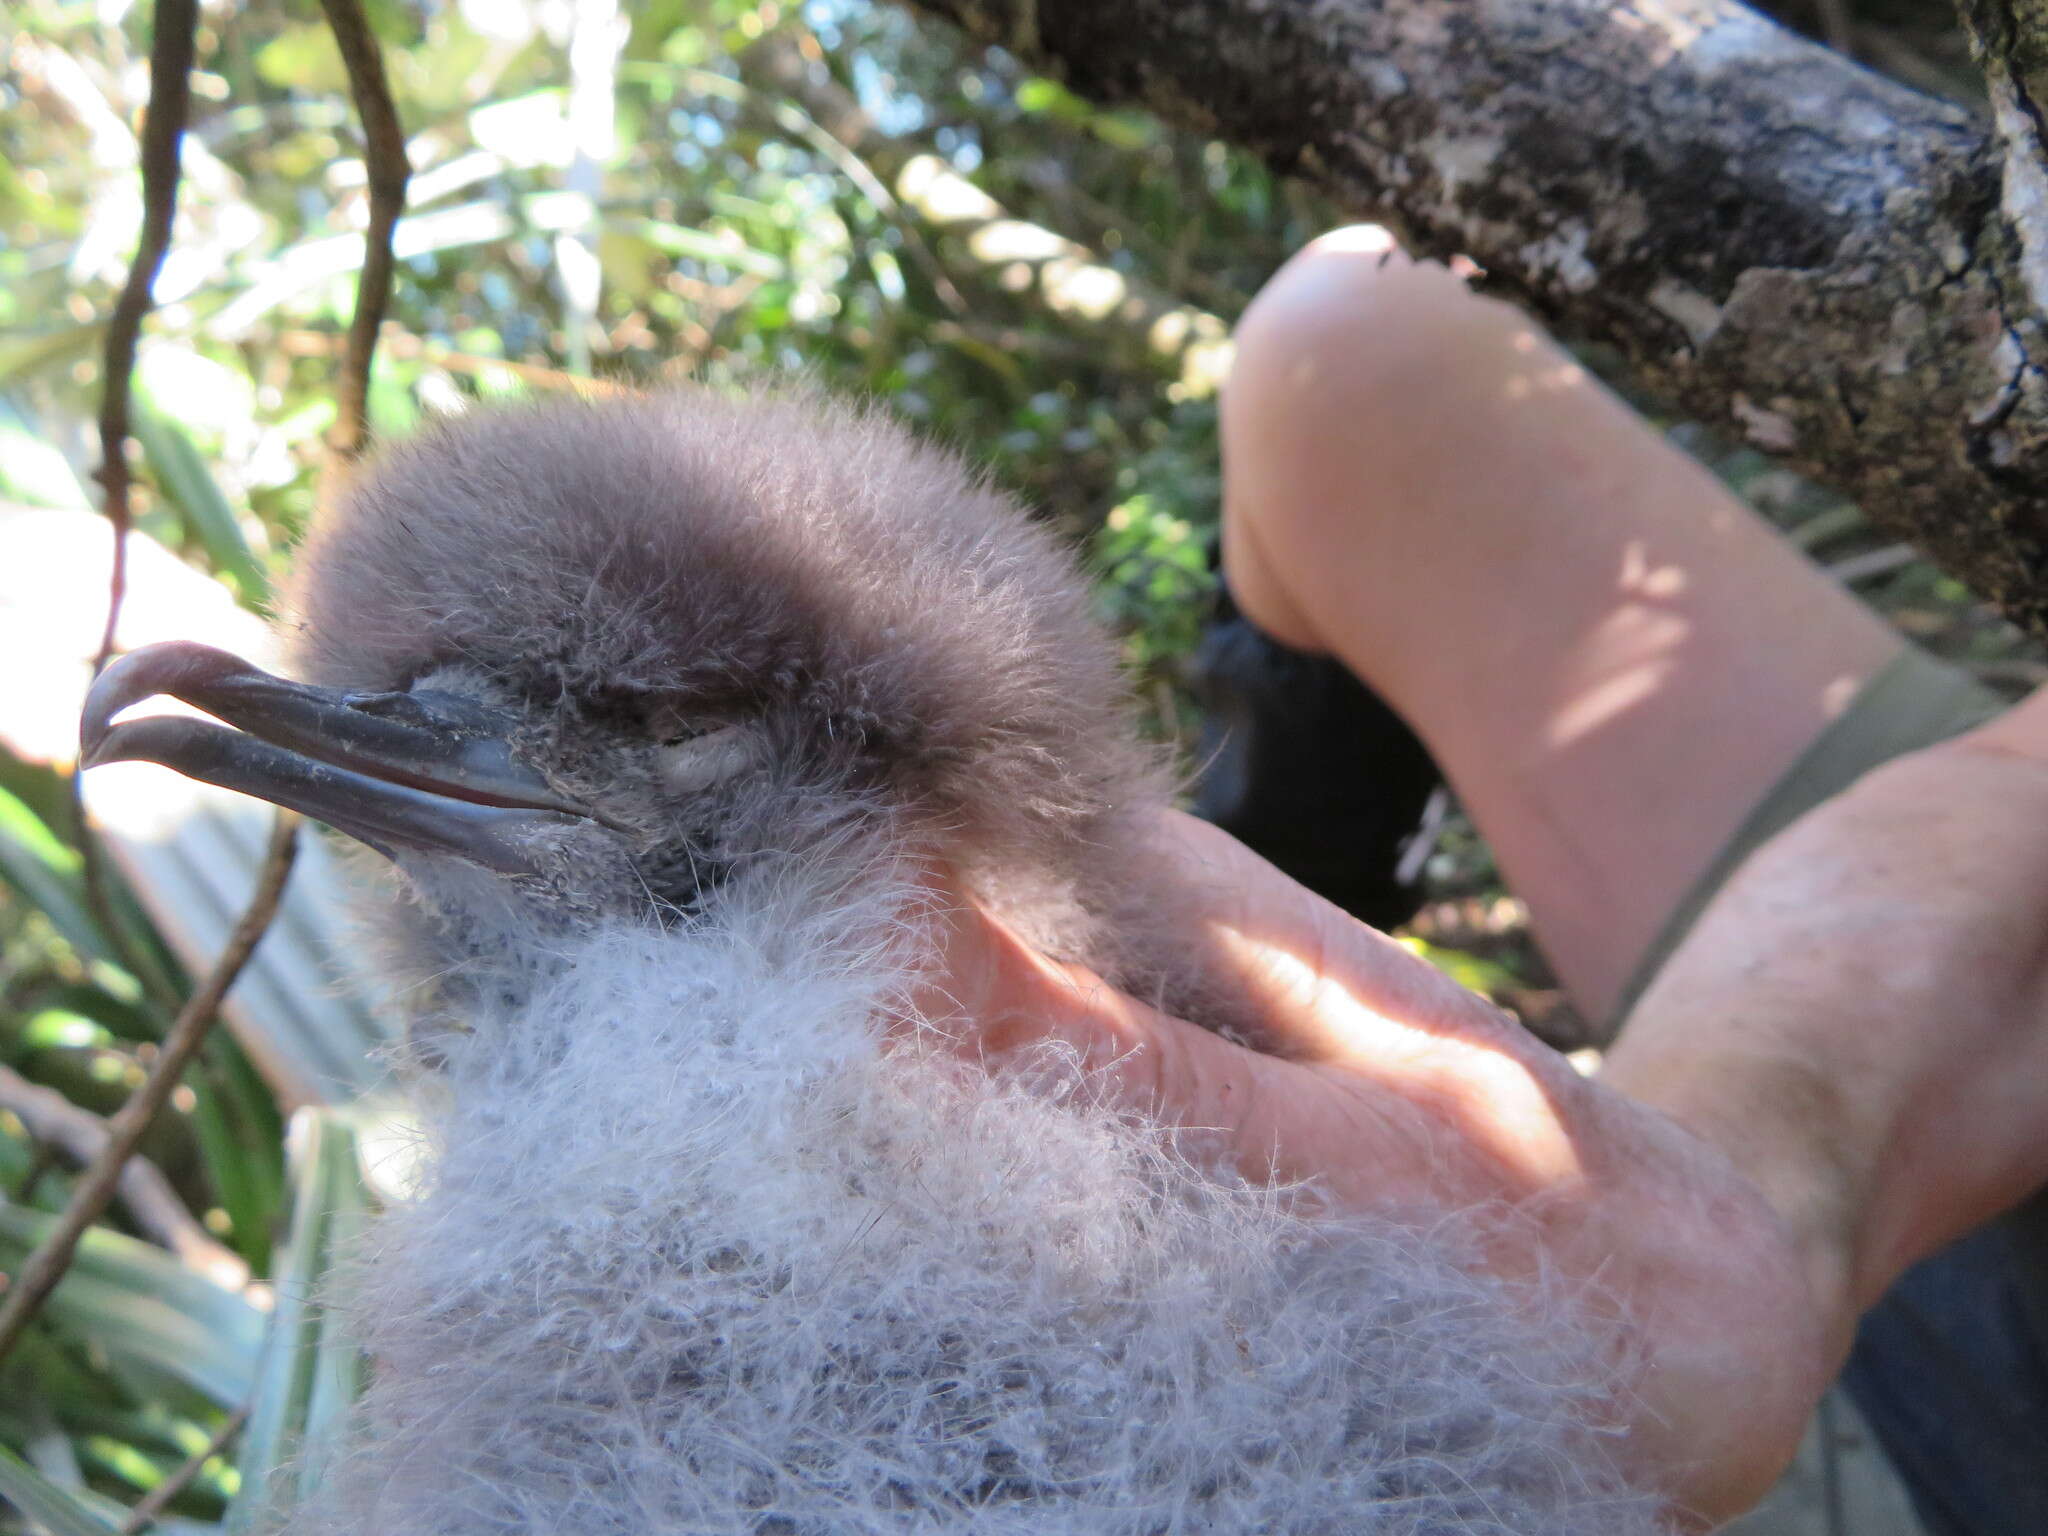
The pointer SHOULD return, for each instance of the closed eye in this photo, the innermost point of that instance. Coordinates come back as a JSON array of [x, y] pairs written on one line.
[[692, 764]]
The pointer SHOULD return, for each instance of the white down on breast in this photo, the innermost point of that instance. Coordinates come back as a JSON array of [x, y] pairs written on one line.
[[697, 1255]]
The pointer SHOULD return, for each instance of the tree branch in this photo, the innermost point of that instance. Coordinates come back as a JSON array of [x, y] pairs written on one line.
[[151, 1506], [43, 1268], [1776, 239], [174, 24], [163, 138], [152, 1203], [388, 170], [2009, 40]]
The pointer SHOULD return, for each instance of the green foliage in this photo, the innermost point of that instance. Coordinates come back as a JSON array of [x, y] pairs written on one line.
[[311, 1369], [756, 215], [152, 1318], [49, 1505], [827, 191]]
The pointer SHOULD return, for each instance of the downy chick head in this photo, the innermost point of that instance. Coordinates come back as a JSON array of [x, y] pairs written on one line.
[[595, 659]]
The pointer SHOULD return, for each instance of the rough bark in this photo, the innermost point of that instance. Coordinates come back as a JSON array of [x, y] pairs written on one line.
[[2010, 41], [1777, 239]]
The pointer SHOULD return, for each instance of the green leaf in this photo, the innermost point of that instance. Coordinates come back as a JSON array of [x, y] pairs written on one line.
[[1473, 972], [239, 1136], [124, 1461], [37, 859], [701, 245], [303, 58], [237, 1192], [312, 1368], [59, 1511], [59, 1029], [181, 471], [45, 872], [141, 1306]]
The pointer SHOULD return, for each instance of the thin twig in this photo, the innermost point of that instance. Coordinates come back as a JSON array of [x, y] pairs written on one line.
[[1837, 26], [1873, 563], [793, 118], [150, 1507], [162, 143], [163, 137], [397, 342], [44, 1267], [151, 1201], [385, 164]]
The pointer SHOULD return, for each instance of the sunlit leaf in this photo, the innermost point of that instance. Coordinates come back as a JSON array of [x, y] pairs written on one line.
[[526, 131], [45, 872], [182, 472], [1468, 970], [701, 245], [303, 58]]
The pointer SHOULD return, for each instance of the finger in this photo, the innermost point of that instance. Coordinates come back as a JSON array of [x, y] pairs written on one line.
[[999, 998], [1324, 986], [1406, 1074]]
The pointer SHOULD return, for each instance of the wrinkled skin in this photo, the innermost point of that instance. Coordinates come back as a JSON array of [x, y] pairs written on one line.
[[1837, 1073], [1398, 1086]]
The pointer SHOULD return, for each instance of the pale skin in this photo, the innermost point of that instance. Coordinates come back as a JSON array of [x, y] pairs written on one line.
[[1837, 1072]]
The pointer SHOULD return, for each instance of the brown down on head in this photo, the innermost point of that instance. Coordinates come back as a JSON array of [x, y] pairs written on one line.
[[680, 555]]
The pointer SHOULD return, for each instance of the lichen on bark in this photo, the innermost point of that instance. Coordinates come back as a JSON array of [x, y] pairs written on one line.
[[1825, 261]]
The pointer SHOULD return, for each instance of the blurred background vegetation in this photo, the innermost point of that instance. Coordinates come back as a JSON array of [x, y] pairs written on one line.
[[705, 189]]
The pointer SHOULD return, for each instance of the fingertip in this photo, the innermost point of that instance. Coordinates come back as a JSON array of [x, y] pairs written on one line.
[[997, 999], [997, 995]]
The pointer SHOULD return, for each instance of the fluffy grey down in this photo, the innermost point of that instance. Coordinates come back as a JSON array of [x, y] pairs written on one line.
[[704, 1247]]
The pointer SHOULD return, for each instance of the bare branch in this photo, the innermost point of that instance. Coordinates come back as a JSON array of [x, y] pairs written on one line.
[[154, 1205], [163, 137], [149, 1509], [1776, 239], [1837, 26], [163, 134], [388, 170], [43, 1268]]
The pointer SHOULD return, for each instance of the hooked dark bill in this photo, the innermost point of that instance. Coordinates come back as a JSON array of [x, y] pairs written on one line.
[[424, 770]]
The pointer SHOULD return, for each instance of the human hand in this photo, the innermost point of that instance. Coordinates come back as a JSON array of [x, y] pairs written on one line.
[[1390, 1088]]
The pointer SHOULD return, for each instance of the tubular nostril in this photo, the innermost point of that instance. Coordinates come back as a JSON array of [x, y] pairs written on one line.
[[402, 707]]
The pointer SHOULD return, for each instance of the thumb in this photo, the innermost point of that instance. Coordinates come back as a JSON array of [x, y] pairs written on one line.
[[995, 996]]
